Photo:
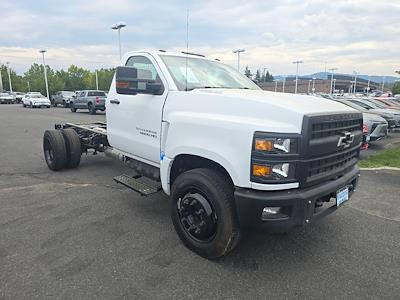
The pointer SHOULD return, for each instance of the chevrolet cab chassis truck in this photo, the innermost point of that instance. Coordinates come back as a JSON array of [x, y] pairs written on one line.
[[230, 155]]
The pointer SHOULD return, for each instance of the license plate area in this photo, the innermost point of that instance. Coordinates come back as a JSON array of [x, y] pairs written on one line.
[[342, 196]]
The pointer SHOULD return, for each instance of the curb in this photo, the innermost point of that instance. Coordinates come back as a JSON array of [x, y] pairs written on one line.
[[380, 168]]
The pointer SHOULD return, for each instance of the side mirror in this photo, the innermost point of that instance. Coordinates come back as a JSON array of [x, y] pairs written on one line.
[[128, 82]]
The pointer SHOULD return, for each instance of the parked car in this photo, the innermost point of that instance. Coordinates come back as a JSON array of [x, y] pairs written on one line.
[[18, 97], [6, 98], [376, 108], [63, 98], [376, 127], [89, 99], [35, 100]]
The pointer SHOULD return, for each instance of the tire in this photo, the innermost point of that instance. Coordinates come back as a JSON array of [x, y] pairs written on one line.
[[54, 149], [91, 108], [54, 104], [23, 105], [73, 147], [220, 232], [71, 106]]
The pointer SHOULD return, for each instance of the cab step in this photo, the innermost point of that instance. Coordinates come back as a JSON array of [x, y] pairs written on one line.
[[140, 184]]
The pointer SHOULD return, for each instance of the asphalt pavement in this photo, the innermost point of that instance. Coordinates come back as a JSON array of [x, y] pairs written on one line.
[[76, 234]]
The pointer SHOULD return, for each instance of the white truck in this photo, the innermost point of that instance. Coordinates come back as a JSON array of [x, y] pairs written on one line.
[[230, 155]]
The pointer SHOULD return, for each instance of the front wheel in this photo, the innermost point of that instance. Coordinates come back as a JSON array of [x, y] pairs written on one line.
[[203, 212]]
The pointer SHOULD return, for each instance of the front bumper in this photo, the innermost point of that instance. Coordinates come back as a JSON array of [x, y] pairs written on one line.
[[299, 205]]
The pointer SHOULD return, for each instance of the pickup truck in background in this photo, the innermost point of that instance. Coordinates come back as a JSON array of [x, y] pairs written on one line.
[[88, 99], [231, 156]]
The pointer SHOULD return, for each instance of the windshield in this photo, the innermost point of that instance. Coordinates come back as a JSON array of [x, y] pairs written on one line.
[[202, 73], [374, 104], [37, 96]]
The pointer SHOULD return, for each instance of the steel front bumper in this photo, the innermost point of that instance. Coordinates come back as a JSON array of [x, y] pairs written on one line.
[[299, 205]]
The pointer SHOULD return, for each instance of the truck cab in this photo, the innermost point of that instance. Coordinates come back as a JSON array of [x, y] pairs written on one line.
[[230, 155]]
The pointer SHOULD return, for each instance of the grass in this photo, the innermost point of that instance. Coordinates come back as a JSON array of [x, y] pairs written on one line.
[[386, 158]]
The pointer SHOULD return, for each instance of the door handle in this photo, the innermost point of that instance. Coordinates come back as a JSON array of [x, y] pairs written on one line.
[[115, 101]]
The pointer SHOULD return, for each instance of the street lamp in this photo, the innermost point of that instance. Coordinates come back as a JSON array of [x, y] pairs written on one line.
[[97, 81], [383, 84], [334, 85], [45, 72], [276, 85], [9, 76], [355, 82], [297, 62], [238, 51], [1, 81], [332, 70], [313, 85], [283, 84], [309, 86], [118, 27]]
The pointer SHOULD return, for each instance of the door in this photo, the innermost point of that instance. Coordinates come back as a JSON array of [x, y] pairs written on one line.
[[134, 121]]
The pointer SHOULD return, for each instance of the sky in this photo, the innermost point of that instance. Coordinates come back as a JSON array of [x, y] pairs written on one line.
[[350, 35]]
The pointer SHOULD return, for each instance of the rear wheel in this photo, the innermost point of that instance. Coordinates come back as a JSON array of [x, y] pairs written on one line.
[[92, 109], [55, 150], [73, 147], [203, 212], [71, 106]]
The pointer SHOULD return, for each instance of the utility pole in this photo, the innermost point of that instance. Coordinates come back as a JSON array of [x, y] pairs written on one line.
[[368, 87], [9, 76], [332, 70], [283, 84], [238, 51], [276, 85], [383, 84], [45, 73], [297, 62]]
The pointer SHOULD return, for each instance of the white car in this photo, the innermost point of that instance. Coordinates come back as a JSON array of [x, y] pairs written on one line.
[[35, 100]]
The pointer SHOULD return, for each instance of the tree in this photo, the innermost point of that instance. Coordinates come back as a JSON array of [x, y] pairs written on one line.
[[268, 77], [247, 72], [258, 76], [396, 88]]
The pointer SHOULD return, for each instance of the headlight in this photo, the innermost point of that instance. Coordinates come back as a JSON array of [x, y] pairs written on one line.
[[275, 145], [279, 171]]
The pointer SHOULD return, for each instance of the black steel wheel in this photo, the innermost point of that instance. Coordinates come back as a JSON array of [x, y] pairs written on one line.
[[55, 151], [203, 212], [73, 147], [92, 109]]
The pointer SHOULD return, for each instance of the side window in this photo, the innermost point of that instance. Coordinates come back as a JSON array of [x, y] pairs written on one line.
[[145, 68]]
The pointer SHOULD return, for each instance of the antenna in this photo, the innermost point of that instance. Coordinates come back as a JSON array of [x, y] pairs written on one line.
[[187, 46]]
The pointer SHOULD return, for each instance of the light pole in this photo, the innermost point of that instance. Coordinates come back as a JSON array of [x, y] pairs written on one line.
[[238, 51], [383, 84], [45, 73], [9, 76], [276, 85], [118, 27], [29, 87], [1, 80], [368, 87], [97, 81], [332, 70], [297, 62], [309, 86], [334, 85], [283, 84], [355, 82], [313, 85]]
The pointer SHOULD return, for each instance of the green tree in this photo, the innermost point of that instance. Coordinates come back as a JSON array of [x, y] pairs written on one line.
[[258, 76], [268, 77], [247, 72], [396, 88]]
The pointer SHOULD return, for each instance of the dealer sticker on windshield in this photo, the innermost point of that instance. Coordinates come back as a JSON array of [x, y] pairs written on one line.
[[342, 196]]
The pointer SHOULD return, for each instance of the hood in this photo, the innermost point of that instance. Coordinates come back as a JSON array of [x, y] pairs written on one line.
[[266, 111]]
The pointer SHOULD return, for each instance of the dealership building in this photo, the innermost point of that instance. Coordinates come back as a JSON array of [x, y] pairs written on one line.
[[341, 84]]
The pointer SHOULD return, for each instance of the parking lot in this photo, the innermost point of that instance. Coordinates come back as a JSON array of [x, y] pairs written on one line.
[[77, 234]]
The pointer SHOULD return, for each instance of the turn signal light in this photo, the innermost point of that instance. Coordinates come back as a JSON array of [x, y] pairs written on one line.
[[259, 170], [263, 145]]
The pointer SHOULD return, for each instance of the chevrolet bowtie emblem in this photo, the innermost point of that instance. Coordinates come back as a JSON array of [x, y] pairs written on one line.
[[346, 139]]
